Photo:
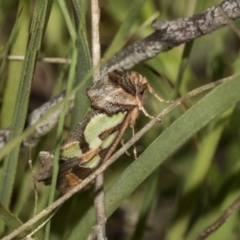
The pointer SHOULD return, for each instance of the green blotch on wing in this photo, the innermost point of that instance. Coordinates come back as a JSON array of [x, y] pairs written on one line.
[[98, 124], [91, 163], [109, 140], [71, 150]]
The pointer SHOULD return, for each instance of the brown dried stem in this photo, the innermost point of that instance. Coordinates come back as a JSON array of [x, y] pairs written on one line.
[[99, 231], [221, 220], [42, 59]]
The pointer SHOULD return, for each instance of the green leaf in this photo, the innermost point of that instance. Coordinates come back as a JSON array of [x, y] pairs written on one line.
[[84, 65], [217, 209], [11, 221], [21, 104], [59, 138], [124, 30], [146, 206], [19, 47], [211, 106], [192, 188]]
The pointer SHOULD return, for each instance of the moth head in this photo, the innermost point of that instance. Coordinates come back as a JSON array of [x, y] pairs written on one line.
[[139, 84], [131, 82]]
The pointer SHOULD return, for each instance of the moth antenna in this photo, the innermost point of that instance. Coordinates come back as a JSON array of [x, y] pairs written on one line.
[[147, 115], [150, 89], [134, 146], [122, 143]]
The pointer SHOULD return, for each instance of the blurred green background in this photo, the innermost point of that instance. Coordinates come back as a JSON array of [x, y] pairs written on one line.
[[197, 182]]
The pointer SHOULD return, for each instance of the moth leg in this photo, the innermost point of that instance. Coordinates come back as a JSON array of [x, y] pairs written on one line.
[[122, 143], [134, 146], [147, 115], [150, 89]]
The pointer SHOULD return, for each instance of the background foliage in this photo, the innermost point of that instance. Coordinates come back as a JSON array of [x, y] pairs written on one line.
[[189, 190]]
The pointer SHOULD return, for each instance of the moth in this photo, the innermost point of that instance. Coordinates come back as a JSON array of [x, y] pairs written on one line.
[[116, 101]]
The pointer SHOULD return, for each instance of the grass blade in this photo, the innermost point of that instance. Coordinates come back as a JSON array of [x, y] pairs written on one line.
[[20, 110], [211, 106], [11, 221], [146, 206], [84, 65], [19, 47], [124, 30]]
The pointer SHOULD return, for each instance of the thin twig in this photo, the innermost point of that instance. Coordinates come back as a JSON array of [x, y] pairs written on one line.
[[40, 226], [221, 220], [42, 59], [99, 231], [96, 52], [29, 236], [34, 182], [112, 159]]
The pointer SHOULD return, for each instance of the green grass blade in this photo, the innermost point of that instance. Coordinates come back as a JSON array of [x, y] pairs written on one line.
[[192, 189], [19, 47], [20, 110], [5, 52], [124, 30], [84, 65], [186, 54], [67, 18], [11, 221], [217, 208], [17, 42], [23, 195], [211, 106], [59, 138], [146, 206]]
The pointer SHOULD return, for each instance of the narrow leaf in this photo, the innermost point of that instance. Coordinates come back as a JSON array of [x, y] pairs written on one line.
[[165, 145]]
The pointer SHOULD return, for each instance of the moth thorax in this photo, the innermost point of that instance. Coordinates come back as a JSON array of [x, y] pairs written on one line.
[[134, 83]]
